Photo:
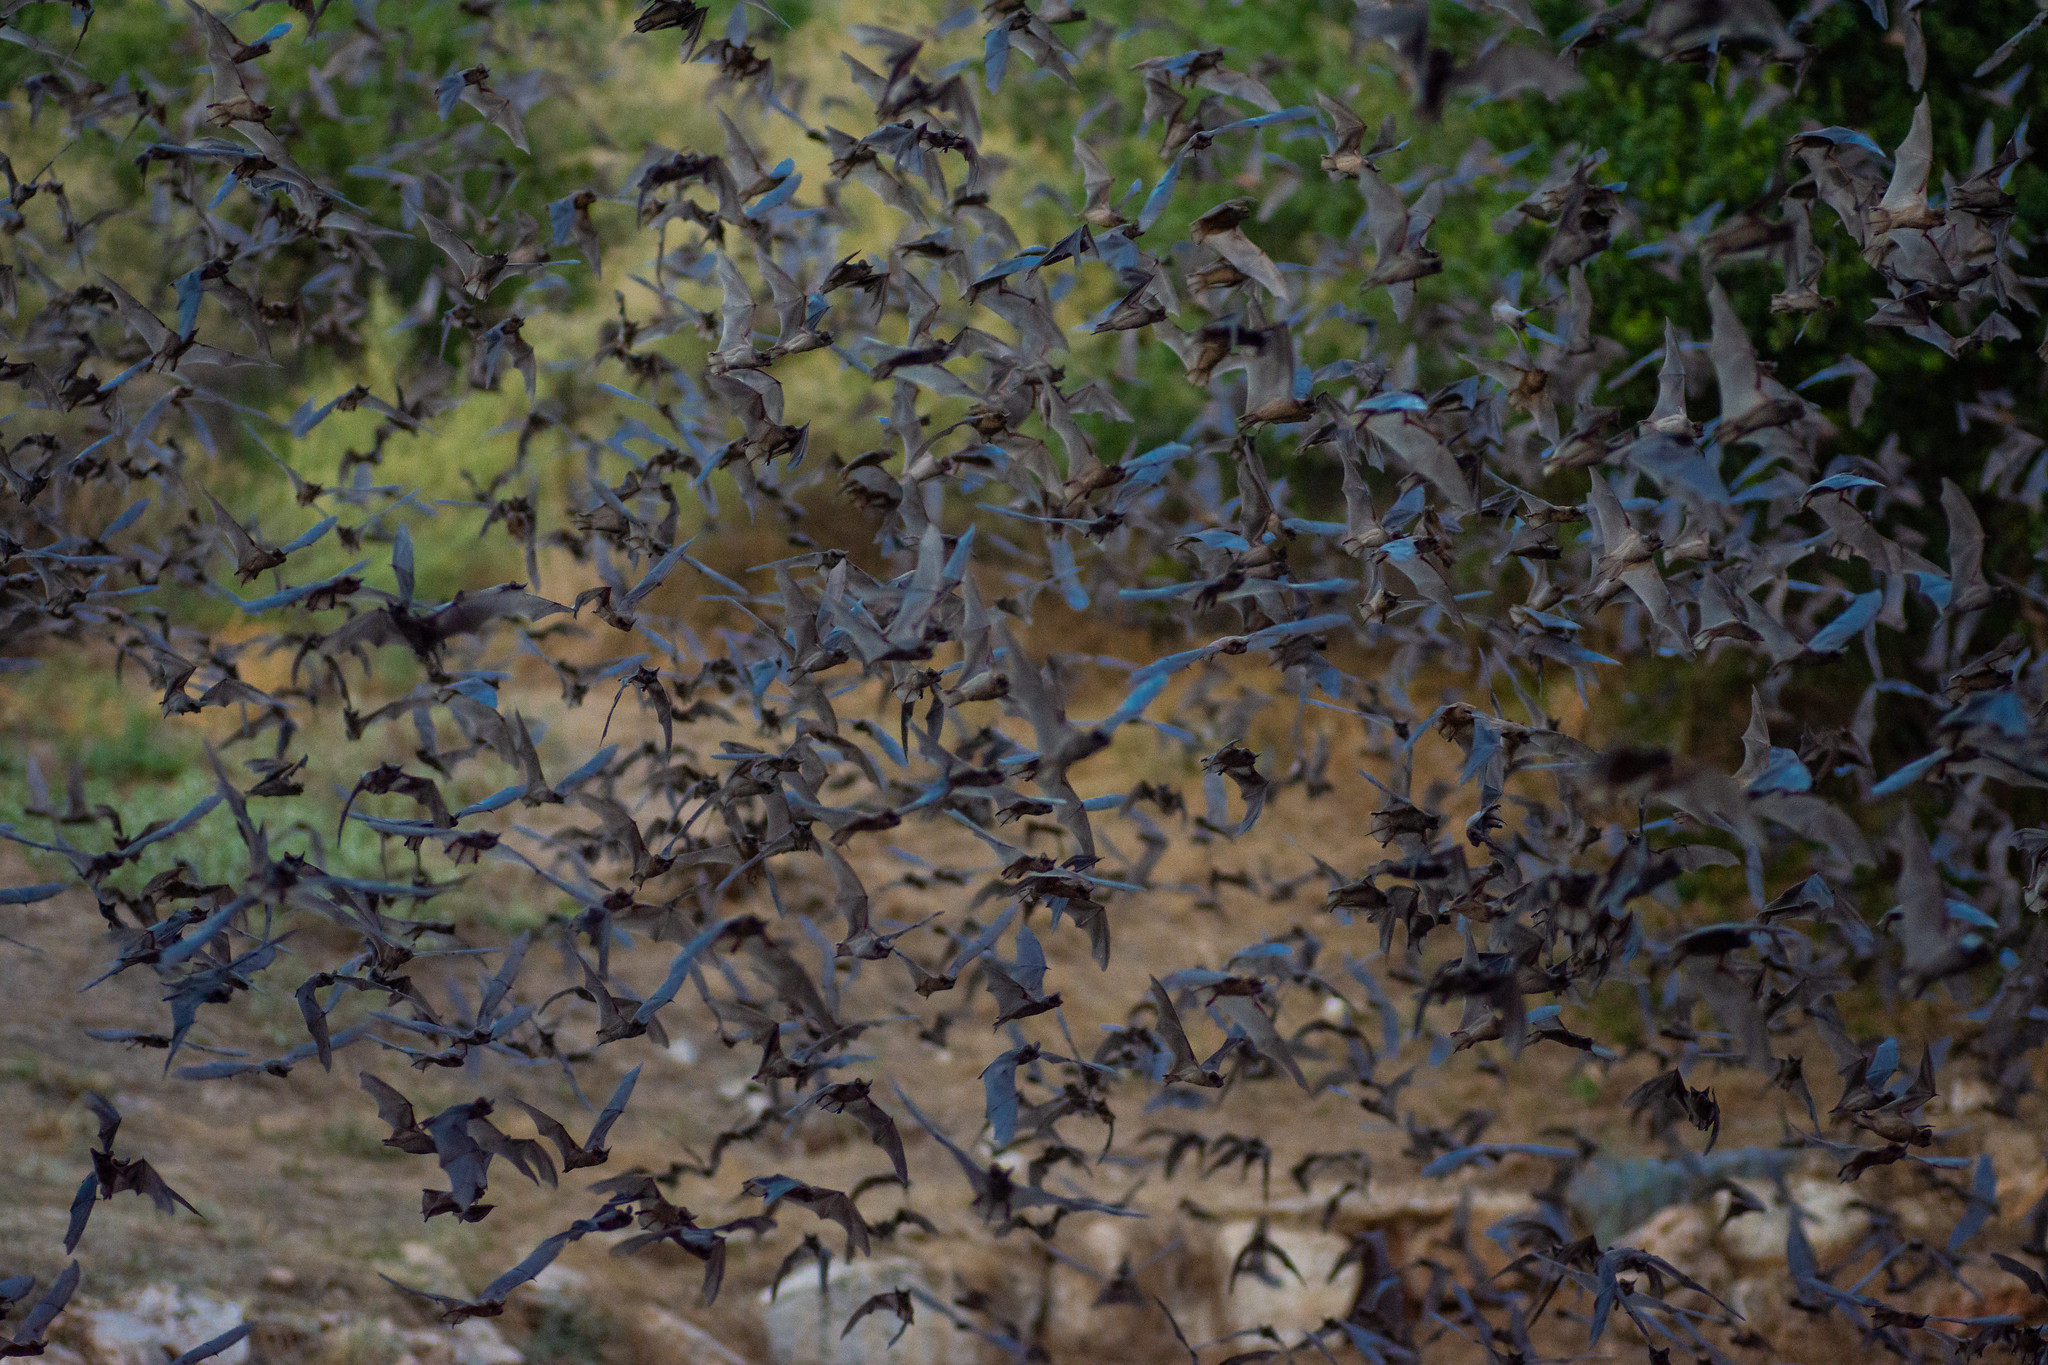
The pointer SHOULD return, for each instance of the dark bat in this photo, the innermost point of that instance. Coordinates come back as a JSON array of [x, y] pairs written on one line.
[[832, 1205], [427, 632], [852, 1099], [1183, 1064], [997, 1197], [896, 1301], [491, 1302], [207, 1350], [112, 1175], [28, 1338], [592, 1152]]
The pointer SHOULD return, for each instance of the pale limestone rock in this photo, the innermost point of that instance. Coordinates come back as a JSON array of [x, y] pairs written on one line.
[[477, 1342], [1104, 1244], [1683, 1235], [156, 1319], [472, 1342], [1964, 1095], [1833, 1222], [1760, 1299], [661, 1337], [804, 1325], [1281, 1300], [346, 1340]]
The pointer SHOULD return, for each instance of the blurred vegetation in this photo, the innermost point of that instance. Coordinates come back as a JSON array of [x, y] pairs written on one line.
[[1681, 139]]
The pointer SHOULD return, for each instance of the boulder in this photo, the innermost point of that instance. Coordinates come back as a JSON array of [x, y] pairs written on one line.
[[558, 1288], [1964, 1095], [472, 1342], [477, 1342], [1683, 1235], [156, 1323], [1760, 1299], [1833, 1220], [661, 1337]]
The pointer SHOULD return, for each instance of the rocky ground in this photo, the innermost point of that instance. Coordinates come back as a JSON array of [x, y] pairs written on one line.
[[303, 1208]]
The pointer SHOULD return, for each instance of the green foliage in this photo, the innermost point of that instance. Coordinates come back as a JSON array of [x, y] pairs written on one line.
[[1682, 138], [567, 1335]]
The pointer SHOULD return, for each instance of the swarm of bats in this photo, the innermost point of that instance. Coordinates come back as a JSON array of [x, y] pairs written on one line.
[[1355, 496]]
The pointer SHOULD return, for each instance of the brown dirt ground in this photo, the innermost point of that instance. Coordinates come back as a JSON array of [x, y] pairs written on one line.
[[289, 1172]]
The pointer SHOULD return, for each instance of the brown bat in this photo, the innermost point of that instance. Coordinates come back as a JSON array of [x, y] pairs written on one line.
[[592, 1151], [111, 1175], [852, 1099]]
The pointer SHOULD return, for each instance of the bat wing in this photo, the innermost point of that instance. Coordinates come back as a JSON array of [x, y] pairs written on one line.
[[207, 1350], [1238, 249], [146, 1181], [245, 545], [551, 1128], [1170, 1026], [1915, 162], [81, 1210], [836, 1206], [975, 1175], [537, 1260], [679, 972], [1670, 379], [441, 1301], [735, 310], [49, 1306], [660, 570], [221, 46], [790, 982], [393, 1108], [499, 983], [1735, 371], [613, 1108], [441, 235], [1011, 998], [1244, 1012], [367, 629], [109, 1117], [892, 1299], [1418, 448], [1346, 126], [1965, 542], [618, 824], [1646, 583], [882, 1131], [1271, 373], [1509, 68], [140, 320], [1610, 523], [470, 612], [791, 304], [1386, 215], [851, 897]]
